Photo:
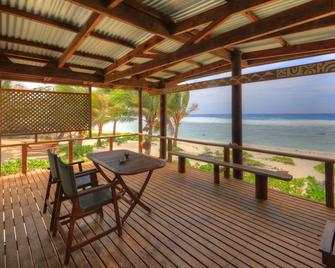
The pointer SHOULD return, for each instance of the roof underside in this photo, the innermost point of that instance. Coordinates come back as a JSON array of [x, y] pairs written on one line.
[[154, 43]]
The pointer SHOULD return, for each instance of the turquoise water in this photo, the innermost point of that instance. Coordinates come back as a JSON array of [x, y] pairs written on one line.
[[314, 132]]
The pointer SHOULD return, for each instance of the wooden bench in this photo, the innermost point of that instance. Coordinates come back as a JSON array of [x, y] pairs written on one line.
[[261, 175], [327, 245]]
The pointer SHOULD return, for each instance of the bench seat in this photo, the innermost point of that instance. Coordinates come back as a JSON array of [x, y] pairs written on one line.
[[262, 175]]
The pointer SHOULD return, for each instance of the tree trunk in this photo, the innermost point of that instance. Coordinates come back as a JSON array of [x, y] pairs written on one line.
[[147, 143], [100, 126], [114, 127]]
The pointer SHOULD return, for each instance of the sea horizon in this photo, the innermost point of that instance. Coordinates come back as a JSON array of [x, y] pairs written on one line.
[[311, 132]]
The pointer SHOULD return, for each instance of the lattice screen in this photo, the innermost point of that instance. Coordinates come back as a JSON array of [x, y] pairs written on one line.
[[31, 112]]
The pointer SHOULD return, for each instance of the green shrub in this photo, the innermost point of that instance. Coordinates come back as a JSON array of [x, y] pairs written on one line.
[[283, 159], [320, 168], [14, 166], [79, 151]]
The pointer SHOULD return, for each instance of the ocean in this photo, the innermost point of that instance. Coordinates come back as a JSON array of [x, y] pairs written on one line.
[[311, 132]]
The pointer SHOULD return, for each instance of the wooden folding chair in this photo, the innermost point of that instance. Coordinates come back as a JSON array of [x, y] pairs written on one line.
[[83, 179], [84, 203]]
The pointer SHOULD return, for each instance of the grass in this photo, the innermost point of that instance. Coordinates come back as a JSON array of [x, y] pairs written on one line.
[[282, 159], [79, 151], [320, 168], [247, 160], [14, 166]]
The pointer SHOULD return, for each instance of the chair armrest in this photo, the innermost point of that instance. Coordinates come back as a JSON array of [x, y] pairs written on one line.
[[79, 163], [86, 172], [95, 189]]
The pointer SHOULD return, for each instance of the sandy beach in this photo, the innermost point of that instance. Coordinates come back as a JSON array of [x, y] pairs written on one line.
[[299, 169]]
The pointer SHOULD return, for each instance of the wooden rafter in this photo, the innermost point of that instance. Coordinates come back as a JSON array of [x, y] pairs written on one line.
[[61, 25], [282, 73], [216, 14], [126, 15], [52, 48], [301, 14]]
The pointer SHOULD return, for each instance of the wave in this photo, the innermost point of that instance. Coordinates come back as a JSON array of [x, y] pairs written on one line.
[[261, 122]]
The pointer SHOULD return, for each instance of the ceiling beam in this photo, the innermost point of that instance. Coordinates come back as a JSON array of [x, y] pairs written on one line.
[[126, 15], [52, 48], [61, 25], [216, 14], [319, 46], [282, 73], [283, 20]]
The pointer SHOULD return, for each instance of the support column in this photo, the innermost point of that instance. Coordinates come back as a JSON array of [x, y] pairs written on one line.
[[90, 111], [163, 115], [237, 112], [140, 120]]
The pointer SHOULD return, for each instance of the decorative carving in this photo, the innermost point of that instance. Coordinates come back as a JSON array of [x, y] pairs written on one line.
[[24, 112]]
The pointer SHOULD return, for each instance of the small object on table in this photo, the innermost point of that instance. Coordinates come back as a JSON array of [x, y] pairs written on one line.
[[126, 155], [123, 160]]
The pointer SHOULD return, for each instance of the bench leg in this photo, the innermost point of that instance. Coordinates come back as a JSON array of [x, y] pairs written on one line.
[[216, 174], [261, 187], [181, 164]]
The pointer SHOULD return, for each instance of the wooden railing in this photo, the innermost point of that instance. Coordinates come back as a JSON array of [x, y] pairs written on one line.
[[329, 162]]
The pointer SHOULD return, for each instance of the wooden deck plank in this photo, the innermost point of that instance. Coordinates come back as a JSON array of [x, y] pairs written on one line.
[[193, 223]]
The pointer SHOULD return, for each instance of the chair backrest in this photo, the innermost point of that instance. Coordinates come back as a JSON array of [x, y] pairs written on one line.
[[53, 165], [67, 178]]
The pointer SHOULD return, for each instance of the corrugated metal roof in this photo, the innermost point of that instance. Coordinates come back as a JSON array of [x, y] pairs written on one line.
[[182, 67], [140, 60], [311, 36], [121, 30], [82, 70], [28, 49], [27, 62], [55, 9], [181, 10], [206, 58], [17, 27], [122, 68], [168, 46], [95, 46], [162, 75], [277, 7], [88, 62], [232, 23], [258, 45]]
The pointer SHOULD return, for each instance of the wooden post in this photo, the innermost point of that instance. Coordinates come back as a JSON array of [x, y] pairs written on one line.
[[329, 184], [90, 111], [181, 164], [237, 112], [111, 143], [24, 158], [169, 159], [0, 147], [140, 120], [226, 158], [36, 138], [163, 115], [216, 174], [261, 187], [70, 156]]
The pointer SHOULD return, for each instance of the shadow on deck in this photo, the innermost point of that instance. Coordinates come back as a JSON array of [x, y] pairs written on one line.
[[193, 223]]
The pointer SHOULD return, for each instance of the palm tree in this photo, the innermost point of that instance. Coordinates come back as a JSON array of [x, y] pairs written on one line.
[[177, 109], [100, 110]]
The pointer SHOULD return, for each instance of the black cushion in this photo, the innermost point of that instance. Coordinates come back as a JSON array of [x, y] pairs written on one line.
[[83, 181], [95, 200]]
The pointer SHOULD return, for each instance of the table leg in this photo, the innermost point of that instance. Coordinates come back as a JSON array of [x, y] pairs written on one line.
[[135, 197]]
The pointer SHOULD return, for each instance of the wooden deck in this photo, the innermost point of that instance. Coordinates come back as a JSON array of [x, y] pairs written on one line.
[[193, 223]]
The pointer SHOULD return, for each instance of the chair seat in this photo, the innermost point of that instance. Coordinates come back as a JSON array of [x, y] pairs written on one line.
[[83, 181], [95, 200]]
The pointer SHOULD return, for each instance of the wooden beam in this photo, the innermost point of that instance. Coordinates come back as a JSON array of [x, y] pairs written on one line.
[[205, 68], [61, 25], [50, 75], [292, 17], [216, 14], [126, 15], [81, 36], [282, 73], [141, 49], [52, 48], [319, 46]]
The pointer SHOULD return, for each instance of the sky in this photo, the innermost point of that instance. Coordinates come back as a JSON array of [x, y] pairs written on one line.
[[309, 94]]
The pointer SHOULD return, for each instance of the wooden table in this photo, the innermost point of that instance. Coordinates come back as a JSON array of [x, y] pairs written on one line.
[[136, 164]]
